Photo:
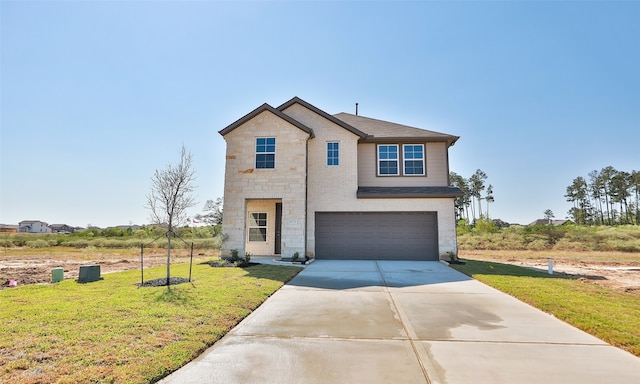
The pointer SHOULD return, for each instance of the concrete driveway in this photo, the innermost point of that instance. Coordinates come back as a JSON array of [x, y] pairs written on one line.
[[403, 322]]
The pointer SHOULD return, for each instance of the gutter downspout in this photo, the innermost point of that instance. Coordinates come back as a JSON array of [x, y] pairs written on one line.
[[306, 194]]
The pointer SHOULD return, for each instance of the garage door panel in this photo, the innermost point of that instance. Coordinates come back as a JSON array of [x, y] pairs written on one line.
[[377, 235]]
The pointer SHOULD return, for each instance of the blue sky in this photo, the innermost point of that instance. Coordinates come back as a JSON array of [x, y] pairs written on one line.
[[95, 96]]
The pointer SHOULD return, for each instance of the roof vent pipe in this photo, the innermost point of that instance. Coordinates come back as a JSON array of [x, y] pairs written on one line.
[[356, 109]]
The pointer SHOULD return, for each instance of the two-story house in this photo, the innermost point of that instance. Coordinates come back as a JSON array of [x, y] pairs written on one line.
[[343, 186], [33, 226]]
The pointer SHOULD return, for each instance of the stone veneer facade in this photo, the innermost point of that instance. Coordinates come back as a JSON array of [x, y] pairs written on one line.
[[304, 183], [248, 189]]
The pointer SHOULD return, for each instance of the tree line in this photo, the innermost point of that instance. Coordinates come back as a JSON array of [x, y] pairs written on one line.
[[469, 206], [605, 197]]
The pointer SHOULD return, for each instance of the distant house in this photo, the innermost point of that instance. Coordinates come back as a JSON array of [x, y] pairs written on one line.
[[8, 228], [61, 228], [500, 223], [555, 223], [132, 227], [33, 226]]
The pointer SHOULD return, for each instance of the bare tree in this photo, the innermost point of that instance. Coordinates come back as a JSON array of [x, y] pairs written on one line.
[[170, 197]]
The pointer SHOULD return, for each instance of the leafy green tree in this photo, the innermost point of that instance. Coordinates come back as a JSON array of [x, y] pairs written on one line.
[[484, 225], [489, 197], [113, 232], [596, 188], [476, 186], [620, 193], [595, 201], [607, 174], [213, 209], [635, 185], [472, 189], [461, 203], [548, 215], [577, 193]]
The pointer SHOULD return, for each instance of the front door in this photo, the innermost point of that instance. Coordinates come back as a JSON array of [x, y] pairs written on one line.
[[278, 239]]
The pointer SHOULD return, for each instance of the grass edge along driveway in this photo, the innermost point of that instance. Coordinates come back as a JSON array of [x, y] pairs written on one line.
[[611, 315], [112, 331]]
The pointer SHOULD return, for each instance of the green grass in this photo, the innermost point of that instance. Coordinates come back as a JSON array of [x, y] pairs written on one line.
[[113, 331], [610, 315], [202, 238], [559, 256], [623, 238]]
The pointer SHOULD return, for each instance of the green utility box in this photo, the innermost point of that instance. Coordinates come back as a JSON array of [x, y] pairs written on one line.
[[89, 273], [57, 275]]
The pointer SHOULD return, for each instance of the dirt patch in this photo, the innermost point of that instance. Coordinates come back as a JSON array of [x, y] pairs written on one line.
[[36, 268], [33, 266], [607, 272]]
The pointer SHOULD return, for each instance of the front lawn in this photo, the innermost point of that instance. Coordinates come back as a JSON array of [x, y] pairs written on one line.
[[112, 331], [610, 315]]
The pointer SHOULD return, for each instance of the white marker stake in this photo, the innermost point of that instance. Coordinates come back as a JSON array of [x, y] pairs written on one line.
[[550, 262]]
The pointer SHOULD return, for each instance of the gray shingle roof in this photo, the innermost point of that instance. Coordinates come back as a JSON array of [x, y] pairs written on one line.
[[368, 129], [546, 222], [385, 131], [407, 192]]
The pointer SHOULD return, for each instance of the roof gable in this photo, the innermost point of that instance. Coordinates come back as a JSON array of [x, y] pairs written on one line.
[[367, 129], [549, 222], [265, 107], [333, 119], [384, 131]]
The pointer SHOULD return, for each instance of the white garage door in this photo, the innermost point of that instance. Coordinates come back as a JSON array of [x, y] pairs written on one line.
[[377, 235]]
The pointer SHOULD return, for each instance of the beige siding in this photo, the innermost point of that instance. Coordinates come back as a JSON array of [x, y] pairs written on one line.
[[333, 188], [304, 190], [436, 168], [268, 207], [244, 183], [328, 183]]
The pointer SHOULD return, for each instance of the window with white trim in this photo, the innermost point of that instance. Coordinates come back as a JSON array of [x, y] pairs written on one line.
[[333, 153], [258, 226], [413, 159], [388, 160], [265, 152]]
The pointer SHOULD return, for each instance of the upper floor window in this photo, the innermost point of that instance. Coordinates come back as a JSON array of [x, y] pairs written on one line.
[[333, 153], [413, 159], [265, 152], [388, 159]]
